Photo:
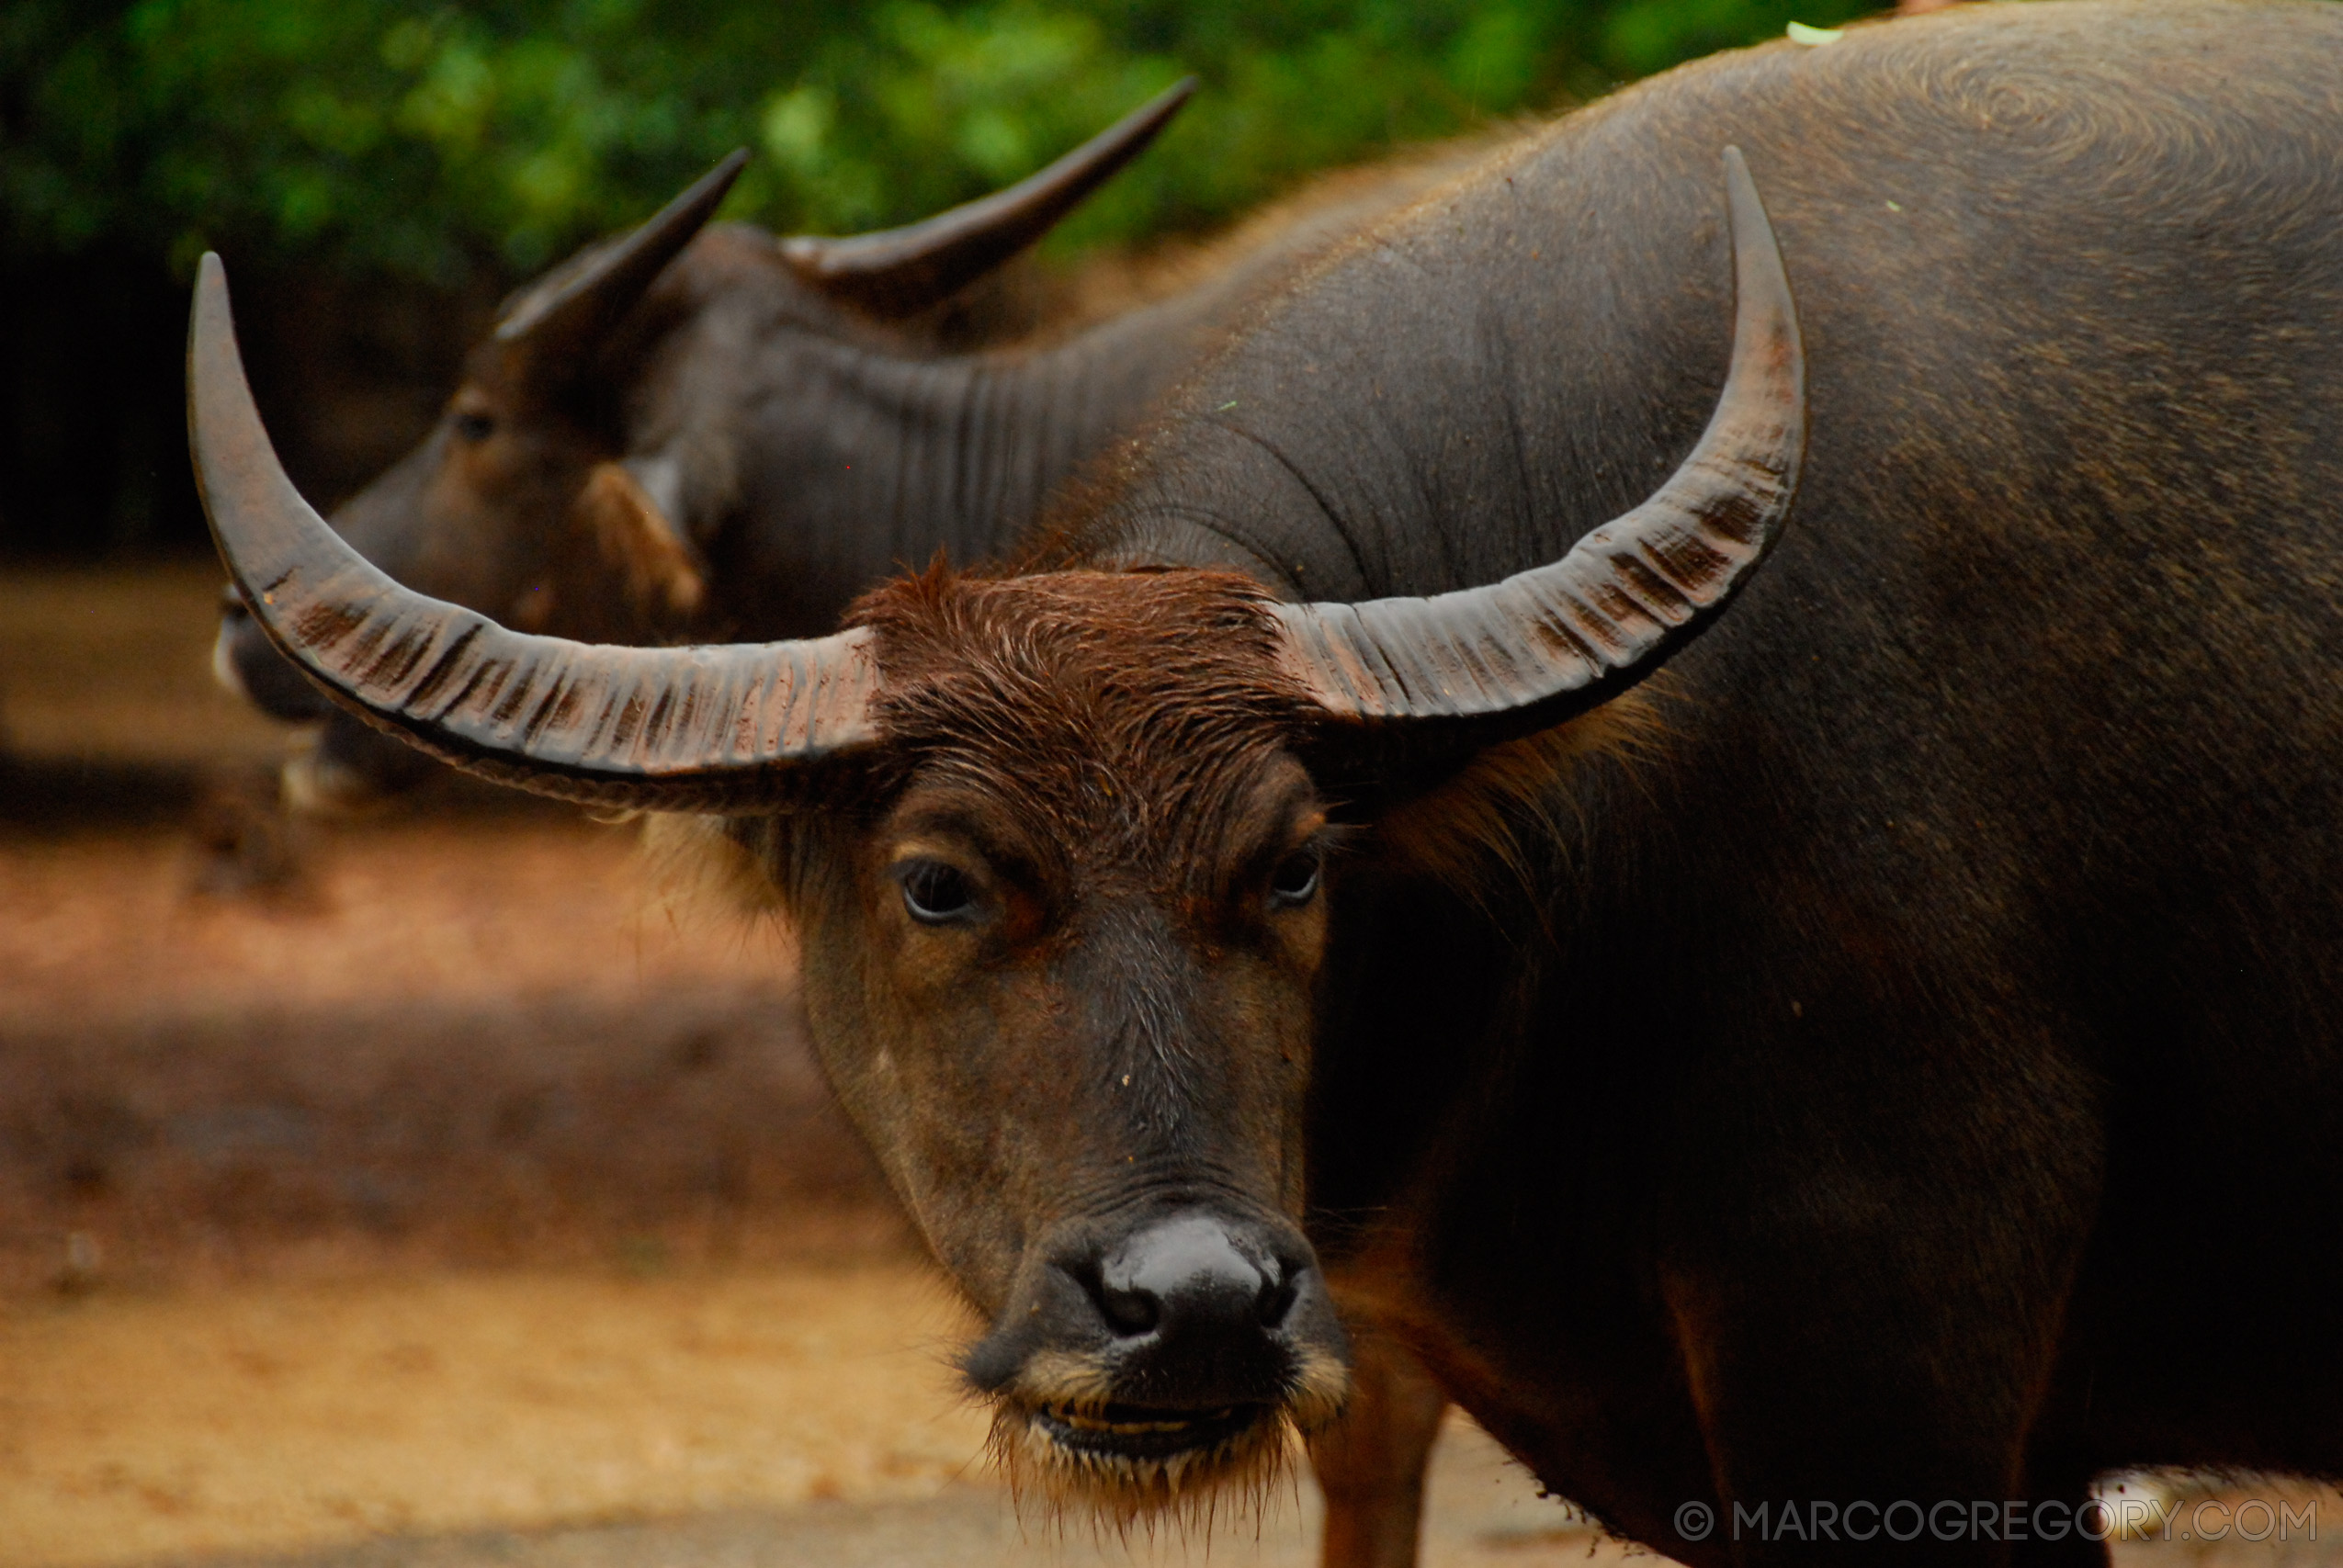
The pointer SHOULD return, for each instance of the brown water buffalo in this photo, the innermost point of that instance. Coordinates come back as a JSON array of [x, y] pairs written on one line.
[[1769, 1095], [728, 433]]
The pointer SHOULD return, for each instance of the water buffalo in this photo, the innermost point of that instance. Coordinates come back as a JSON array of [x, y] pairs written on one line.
[[724, 432], [1883, 1069]]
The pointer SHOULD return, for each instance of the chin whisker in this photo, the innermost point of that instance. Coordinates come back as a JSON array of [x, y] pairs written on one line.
[[1243, 1474], [1069, 1452]]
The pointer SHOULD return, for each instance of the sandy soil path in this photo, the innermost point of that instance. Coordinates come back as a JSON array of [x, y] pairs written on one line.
[[115, 666], [801, 1416]]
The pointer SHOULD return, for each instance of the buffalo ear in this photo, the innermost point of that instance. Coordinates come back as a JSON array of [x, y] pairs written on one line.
[[551, 331], [900, 272], [631, 540]]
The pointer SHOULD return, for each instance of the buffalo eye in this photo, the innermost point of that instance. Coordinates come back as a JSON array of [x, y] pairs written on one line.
[[1294, 882], [473, 426], [934, 892]]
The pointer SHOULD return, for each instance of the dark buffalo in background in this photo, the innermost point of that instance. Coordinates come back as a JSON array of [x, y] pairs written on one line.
[[1780, 1081], [732, 436]]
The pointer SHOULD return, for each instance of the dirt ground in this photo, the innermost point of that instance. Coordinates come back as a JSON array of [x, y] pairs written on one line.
[[473, 1030], [466, 1043], [460, 1414], [439, 1190], [113, 667], [273, 1416]]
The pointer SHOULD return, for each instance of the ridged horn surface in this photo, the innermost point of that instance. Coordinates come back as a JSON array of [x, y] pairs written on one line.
[[1533, 650], [673, 727], [896, 271], [555, 327]]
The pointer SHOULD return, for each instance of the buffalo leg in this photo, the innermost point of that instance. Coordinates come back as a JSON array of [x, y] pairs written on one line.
[[1868, 1294], [1371, 1463], [1816, 1468]]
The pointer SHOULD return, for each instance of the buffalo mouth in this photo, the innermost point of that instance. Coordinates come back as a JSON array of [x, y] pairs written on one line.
[[1131, 1461], [1142, 1433], [1065, 1446]]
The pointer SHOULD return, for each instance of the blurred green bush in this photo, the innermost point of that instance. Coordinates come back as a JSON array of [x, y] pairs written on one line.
[[439, 142]]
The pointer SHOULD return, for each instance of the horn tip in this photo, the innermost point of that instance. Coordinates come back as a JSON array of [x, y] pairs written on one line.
[[1752, 229], [210, 322], [210, 289], [1147, 122], [1740, 185]]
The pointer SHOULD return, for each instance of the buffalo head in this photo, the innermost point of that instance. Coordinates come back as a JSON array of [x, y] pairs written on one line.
[[1062, 848], [571, 479]]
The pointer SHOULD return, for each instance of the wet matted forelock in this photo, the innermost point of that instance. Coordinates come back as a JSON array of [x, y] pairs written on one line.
[[1131, 703]]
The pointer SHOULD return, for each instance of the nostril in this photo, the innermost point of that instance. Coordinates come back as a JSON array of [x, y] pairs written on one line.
[[1278, 1296], [1128, 1306], [1129, 1313]]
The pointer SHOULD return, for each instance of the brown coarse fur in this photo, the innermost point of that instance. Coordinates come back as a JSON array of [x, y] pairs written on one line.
[[1127, 705]]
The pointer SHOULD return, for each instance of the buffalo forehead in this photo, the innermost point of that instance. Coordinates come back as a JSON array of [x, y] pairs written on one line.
[[1115, 715]]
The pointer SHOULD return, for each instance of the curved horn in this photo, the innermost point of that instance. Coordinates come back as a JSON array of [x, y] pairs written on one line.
[[671, 728], [897, 272], [1539, 647], [554, 328]]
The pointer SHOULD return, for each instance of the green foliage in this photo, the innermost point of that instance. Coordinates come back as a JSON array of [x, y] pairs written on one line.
[[431, 139]]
